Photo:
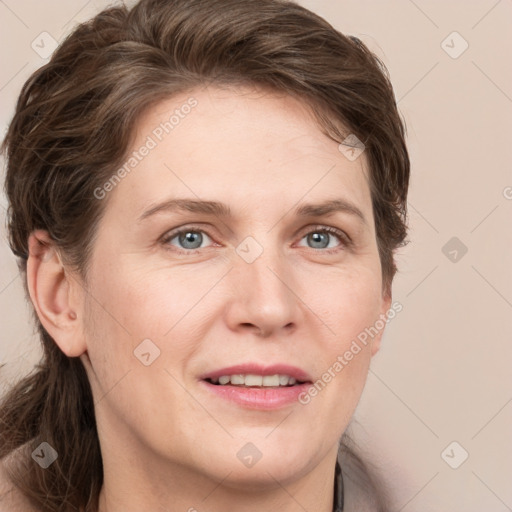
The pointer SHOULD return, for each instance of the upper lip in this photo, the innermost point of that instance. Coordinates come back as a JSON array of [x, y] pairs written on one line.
[[258, 369]]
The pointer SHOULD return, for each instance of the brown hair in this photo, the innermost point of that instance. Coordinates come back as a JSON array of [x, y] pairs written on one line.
[[73, 126]]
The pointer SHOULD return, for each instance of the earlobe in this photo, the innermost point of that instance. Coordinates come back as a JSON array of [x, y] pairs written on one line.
[[50, 291]]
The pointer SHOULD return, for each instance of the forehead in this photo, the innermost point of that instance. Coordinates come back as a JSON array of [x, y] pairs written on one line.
[[232, 145]]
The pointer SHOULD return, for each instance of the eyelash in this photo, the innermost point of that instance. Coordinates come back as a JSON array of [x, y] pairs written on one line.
[[345, 240]]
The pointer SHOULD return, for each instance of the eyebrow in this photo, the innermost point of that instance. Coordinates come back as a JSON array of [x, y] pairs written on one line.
[[223, 210]]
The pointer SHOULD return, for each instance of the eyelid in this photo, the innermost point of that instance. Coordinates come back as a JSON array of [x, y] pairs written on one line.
[[344, 238]]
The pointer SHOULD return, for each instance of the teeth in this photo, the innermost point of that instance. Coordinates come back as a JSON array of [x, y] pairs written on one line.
[[256, 380], [253, 380], [237, 379], [270, 380], [223, 380], [283, 380]]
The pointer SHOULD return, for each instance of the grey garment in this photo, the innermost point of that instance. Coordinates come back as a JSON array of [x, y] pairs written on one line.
[[357, 491], [356, 499]]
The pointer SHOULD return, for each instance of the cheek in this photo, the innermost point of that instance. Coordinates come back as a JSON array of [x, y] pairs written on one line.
[[347, 302], [345, 359], [145, 304], [348, 307], [132, 306]]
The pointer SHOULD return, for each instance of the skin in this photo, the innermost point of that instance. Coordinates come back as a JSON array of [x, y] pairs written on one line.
[[167, 443]]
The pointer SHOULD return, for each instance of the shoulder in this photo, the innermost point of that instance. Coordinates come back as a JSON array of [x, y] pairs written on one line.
[[11, 499]]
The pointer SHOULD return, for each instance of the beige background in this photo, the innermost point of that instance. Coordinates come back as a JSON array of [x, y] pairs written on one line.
[[443, 373]]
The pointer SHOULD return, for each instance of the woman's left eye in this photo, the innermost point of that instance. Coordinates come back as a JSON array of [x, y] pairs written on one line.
[[191, 239], [321, 236]]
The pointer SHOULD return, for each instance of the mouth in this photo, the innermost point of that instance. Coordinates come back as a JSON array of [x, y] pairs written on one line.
[[255, 381], [255, 387]]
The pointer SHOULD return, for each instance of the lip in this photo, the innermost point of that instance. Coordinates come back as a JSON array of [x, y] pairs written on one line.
[[263, 399], [257, 369], [259, 398]]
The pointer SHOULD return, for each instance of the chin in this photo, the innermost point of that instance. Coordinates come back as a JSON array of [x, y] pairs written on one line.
[[270, 473], [251, 468]]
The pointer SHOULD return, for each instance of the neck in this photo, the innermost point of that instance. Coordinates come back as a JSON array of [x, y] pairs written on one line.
[[132, 486]]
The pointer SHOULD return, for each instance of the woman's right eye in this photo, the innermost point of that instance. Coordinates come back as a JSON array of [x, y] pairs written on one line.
[[189, 239]]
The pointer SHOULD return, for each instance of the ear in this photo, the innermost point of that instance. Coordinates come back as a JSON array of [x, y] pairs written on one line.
[[57, 297], [385, 306]]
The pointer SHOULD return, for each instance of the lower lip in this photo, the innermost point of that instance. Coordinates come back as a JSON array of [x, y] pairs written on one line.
[[258, 398]]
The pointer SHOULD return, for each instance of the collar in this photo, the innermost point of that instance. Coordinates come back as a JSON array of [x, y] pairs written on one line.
[[338, 489]]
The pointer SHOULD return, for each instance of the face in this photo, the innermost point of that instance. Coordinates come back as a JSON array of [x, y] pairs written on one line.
[[248, 276]]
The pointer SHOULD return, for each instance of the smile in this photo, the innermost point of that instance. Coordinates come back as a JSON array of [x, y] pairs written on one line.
[[252, 380], [252, 386]]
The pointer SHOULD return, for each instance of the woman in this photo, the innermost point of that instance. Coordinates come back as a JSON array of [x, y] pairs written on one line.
[[205, 197]]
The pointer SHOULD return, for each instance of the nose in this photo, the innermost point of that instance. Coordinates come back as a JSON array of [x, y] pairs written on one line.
[[263, 300]]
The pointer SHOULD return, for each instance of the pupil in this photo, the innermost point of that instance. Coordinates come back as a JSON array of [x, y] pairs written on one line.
[[188, 238], [317, 239]]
